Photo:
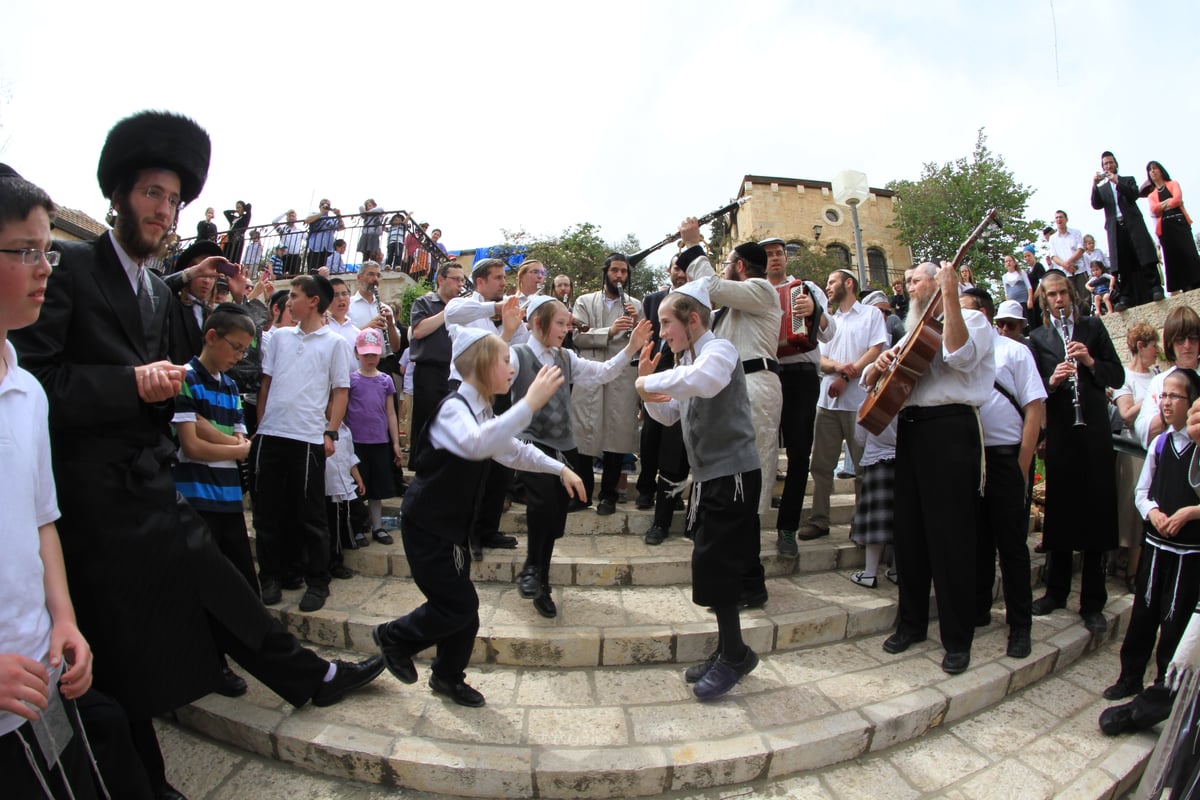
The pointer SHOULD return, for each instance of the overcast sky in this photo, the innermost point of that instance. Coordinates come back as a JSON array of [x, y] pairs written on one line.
[[629, 115]]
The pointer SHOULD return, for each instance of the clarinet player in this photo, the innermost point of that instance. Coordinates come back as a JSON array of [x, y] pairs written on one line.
[[1077, 362]]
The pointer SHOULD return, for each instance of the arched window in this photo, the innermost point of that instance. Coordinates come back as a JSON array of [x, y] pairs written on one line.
[[877, 267], [794, 249], [840, 252]]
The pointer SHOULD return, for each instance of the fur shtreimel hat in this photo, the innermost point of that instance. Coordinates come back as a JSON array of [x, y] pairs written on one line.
[[156, 139]]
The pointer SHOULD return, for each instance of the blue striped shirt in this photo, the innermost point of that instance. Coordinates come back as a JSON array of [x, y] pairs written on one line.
[[217, 485]]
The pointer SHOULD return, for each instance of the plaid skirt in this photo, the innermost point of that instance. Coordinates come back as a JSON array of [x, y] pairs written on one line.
[[873, 511]]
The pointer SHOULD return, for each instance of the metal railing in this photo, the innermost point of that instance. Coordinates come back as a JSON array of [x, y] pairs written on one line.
[[407, 249]]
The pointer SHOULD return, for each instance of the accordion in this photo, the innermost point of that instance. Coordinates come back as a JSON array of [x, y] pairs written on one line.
[[796, 334]]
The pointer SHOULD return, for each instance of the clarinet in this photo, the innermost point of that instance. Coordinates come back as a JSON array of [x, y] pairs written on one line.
[[625, 312], [1068, 333]]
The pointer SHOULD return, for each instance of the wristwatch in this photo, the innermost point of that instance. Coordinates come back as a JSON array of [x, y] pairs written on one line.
[[332, 435]]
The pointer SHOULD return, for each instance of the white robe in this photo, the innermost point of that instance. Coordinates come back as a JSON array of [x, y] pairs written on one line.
[[604, 417]]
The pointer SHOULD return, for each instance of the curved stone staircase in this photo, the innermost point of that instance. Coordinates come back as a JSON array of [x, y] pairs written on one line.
[[593, 704]]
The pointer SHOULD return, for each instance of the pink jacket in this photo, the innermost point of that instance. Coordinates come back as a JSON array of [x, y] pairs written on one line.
[[1176, 201]]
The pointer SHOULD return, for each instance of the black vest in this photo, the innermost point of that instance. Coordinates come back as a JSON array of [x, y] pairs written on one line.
[[1170, 489]]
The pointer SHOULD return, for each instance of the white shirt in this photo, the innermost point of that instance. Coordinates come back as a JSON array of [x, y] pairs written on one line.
[[477, 436], [347, 330], [858, 329], [362, 310], [584, 372], [1017, 372], [302, 367], [476, 312], [1064, 246], [964, 376], [706, 377], [28, 499]]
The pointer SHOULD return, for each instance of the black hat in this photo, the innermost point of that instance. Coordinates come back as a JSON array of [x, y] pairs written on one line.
[[8, 172], [753, 252], [156, 139], [197, 251]]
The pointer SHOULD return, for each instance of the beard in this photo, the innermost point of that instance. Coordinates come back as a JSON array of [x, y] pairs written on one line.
[[129, 233], [916, 310], [610, 287]]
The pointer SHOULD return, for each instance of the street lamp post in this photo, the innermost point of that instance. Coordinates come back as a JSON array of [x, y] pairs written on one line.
[[851, 188]]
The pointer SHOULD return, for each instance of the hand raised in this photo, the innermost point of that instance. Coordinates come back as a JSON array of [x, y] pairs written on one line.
[[647, 364], [641, 334]]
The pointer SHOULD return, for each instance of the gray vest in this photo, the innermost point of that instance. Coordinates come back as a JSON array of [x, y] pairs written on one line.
[[551, 426], [718, 432]]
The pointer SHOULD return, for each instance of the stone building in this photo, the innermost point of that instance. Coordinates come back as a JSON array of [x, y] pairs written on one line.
[[803, 213]]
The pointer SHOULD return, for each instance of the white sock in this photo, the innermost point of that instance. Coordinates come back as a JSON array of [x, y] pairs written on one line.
[[375, 511], [874, 553], [331, 672]]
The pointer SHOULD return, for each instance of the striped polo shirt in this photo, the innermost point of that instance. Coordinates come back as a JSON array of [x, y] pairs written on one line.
[[209, 486]]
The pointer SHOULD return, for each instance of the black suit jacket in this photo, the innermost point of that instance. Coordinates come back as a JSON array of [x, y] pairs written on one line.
[[650, 305], [186, 337], [1125, 197]]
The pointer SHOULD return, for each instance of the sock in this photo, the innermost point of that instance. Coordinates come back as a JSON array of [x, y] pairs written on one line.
[[375, 511], [331, 672], [874, 553], [729, 634]]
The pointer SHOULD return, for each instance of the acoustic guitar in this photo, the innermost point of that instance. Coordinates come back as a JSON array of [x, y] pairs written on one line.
[[893, 387]]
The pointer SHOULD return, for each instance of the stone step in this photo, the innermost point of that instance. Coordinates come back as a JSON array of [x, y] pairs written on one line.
[[840, 720], [619, 560]]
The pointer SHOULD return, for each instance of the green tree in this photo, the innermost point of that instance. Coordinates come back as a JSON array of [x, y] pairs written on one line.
[[937, 213], [812, 264], [579, 252]]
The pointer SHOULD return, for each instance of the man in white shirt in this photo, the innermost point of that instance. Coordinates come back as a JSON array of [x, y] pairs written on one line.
[[367, 309], [859, 339], [1066, 248]]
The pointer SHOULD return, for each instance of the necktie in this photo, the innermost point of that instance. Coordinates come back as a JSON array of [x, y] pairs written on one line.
[[145, 303]]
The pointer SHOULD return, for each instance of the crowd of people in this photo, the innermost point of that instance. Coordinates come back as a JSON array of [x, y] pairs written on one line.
[[158, 403]]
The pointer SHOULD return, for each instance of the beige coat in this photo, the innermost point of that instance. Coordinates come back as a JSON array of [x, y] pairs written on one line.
[[604, 417]]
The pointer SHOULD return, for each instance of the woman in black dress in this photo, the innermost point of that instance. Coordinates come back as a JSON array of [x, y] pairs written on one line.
[[1181, 262], [239, 219]]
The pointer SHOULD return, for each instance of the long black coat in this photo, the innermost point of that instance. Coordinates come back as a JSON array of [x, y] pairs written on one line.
[[1126, 197], [143, 569], [1081, 491]]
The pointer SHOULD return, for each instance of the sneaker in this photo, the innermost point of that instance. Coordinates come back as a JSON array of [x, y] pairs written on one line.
[[864, 580], [786, 545]]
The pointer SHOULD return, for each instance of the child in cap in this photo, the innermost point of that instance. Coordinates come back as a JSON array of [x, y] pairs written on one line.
[[371, 417]]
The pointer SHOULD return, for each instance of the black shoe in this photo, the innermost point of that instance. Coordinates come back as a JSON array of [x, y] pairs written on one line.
[[341, 572], [1019, 644], [606, 507], [499, 541], [776, 502], [644, 501], [1045, 604], [656, 535], [756, 600], [361, 540], [575, 504], [382, 536], [544, 603], [459, 692], [169, 792], [271, 592], [528, 583], [724, 675], [900, 641], [231, 684], [350, 676], [1124, 687], [1117, 720], [476, 553], [314, 598], [696, 671], [677, 505], [983, 619], [1094, 621], [955, 663], [809, 532], [1119, 305], [399, 664], [1156, 295]]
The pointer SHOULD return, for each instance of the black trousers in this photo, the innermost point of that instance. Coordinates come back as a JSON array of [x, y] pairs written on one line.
[[801, 386], [1137, 280], [649, 446], [290, 483], [726, 534], [291, 263], [431, 382], [610, 476], [1093, 594], [545, 514], [937, 490], [1168, 586], [1002, 526], [341, 529], [314, 260], [449, 617], [229, 532]]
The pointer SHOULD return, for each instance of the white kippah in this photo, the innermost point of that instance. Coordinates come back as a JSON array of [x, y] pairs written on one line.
[[535, 303], [698, 290], [464, 337]]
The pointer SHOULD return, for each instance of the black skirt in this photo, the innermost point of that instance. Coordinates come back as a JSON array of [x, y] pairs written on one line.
[[1181, 262], [375, 466]]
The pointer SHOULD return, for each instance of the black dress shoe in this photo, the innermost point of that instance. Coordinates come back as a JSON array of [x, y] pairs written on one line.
[[900, 641], [544, 603], [271, 592], [314, 599], [644, 501], [606, 507], [341, 572], [382, 536], [398, 663], [955, 663], [350, 675], [231, 684], [776, 501], [459, 692], [724, 675], [656, 535], [169, 792], [1094, 621], [575, 504], [1045, 604], [292, 583], [528, 583], [499, 541], [983, 619], [1117, 720], [361, 540], [696, 671], [755, 600], [1019, 644], [1124, 687]]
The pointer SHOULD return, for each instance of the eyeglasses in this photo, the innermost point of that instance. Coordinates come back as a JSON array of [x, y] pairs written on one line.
[[157, 195], [1169, 396], [31, 257], [239, 349], [341, 294]]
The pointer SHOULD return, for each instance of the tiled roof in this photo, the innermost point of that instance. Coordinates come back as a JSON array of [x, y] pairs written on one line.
[[77, 223]]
